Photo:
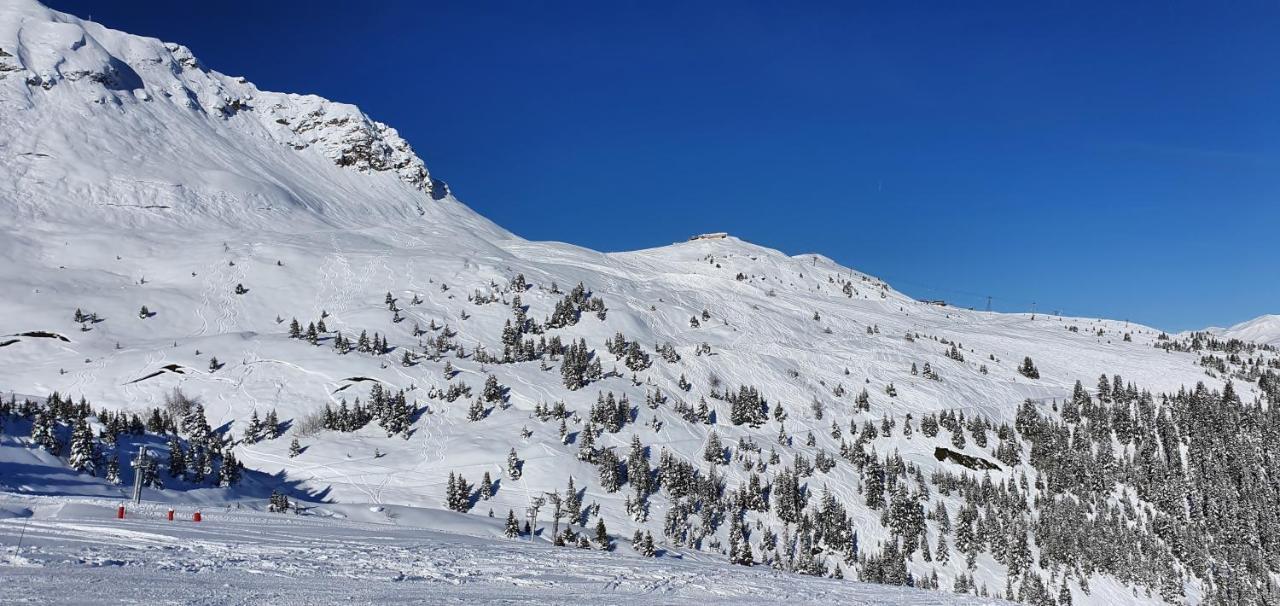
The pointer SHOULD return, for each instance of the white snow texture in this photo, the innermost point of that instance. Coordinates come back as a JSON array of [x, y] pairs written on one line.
[[131, 175]]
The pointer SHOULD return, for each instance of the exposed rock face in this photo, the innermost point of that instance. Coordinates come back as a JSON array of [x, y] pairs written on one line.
[[942, 453], [45, 51], [349, 138]]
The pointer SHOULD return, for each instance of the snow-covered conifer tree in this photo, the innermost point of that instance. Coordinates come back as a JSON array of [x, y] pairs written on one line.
[[84, 448], [513, 526]]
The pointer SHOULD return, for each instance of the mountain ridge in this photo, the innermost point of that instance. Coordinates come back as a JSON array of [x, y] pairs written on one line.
[[59, 69], [1263, 329], [156, 247]]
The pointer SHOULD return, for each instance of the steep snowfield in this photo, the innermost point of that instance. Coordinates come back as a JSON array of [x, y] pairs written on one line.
[[132, 175], [160, 139]]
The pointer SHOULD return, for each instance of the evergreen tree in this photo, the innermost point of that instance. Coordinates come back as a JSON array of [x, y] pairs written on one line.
[[42, 432], [739, 548], [906, 517], [873, 481], [578, 366], [278, 502], [1028, 369], [194, 423], [254, 431], [602, 535], [113, 469], [177, 458], [572, 502], [646, 547], [513, 526], [458, 493], [713, 452], [587, 444], [607, 464], [486, 487], [229, 473], [967, 541], [270, 425], [476, 411], [84, 448], [788, 497], [1104, 391], [200, 465], [638, 468], [493, 391], [513, 465], [1018, 556]]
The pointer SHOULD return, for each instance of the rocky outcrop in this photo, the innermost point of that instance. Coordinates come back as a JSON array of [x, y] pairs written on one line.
[[46, 49]]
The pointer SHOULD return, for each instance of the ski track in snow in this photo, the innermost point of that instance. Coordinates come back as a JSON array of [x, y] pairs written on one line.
[[229, 305], [87, 375], [208, 290]]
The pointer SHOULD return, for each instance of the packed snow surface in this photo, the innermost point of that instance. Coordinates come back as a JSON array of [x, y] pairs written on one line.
[[76, 551]]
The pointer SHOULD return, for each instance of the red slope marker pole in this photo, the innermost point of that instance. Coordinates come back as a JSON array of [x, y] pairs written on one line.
[[120, 513]]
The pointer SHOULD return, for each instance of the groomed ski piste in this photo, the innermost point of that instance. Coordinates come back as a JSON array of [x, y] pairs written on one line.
[[132, 175], [75, 551]]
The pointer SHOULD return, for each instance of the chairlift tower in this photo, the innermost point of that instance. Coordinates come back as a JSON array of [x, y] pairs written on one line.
[[141, 465]]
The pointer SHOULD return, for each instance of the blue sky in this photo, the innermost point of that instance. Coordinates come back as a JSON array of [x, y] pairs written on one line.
[[1117, 161]]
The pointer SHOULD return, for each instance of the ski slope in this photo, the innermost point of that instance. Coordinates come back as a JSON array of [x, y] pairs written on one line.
[[358, 555]]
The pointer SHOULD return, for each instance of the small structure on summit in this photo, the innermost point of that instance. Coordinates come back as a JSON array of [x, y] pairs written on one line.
[[719, 235]]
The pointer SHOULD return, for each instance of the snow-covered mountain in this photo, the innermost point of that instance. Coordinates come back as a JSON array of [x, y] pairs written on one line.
[[163, 224], [1263, 329], [99, 121]]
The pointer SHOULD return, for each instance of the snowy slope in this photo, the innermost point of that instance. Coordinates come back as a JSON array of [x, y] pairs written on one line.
[[161, 140], [1262, 329], [354, 555], [135, 176]]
